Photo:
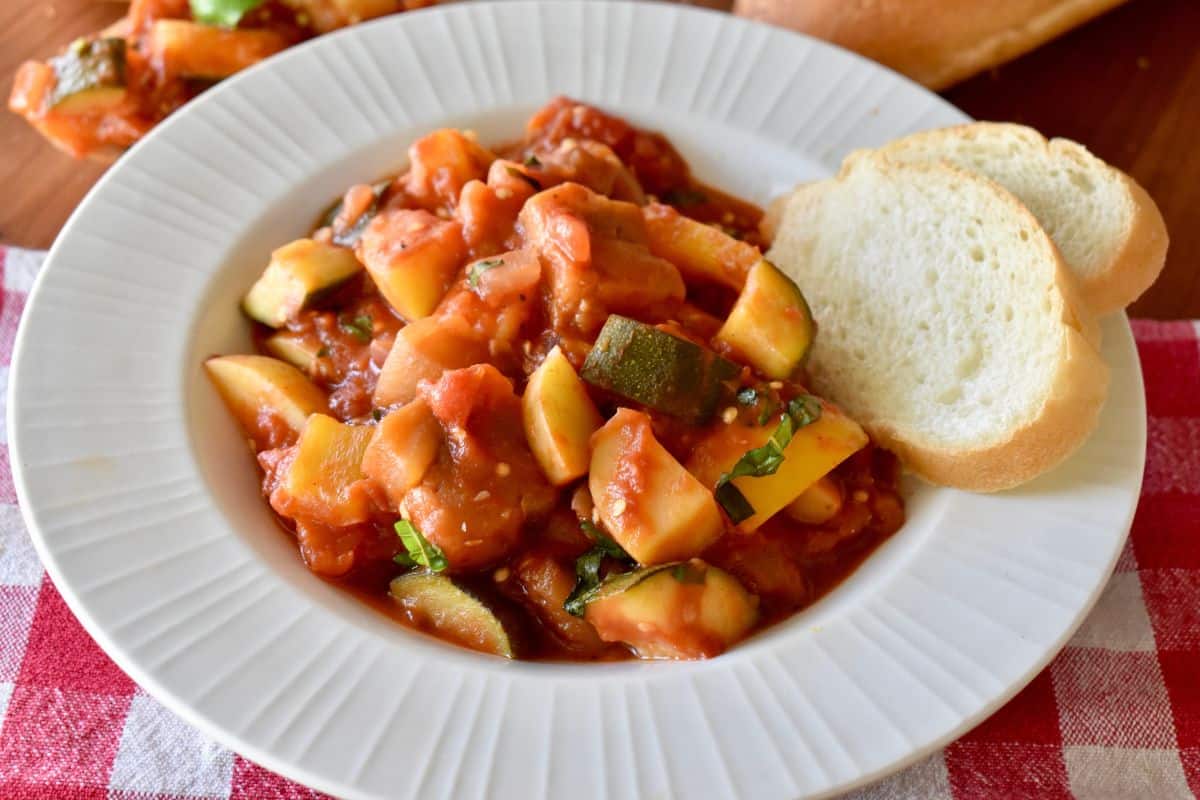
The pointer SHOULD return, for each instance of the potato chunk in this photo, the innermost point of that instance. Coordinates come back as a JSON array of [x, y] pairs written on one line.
[[650, 504], [404, 444], [413, 257]]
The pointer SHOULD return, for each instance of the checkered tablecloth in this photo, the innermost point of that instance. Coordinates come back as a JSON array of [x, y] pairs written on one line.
[[1115, 715]]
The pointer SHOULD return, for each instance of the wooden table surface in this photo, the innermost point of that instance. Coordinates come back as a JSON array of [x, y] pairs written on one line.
[[1127, 85]]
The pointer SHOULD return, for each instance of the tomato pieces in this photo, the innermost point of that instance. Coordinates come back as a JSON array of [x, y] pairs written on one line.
[[476, 497]]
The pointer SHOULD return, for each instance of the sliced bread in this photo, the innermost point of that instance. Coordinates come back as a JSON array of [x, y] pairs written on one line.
[[1108, 229], [948, 322]]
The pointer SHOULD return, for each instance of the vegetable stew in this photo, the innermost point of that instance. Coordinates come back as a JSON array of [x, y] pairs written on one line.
[[547, 400], [106, 91]]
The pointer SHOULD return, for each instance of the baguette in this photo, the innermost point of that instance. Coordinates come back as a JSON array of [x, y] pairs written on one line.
[[934, 42], [1107, 228], [949, 323]]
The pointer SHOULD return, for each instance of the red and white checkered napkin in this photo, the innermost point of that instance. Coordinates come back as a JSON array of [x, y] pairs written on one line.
[[1115, 715]]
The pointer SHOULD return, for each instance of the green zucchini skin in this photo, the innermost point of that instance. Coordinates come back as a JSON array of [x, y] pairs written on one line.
[[453, 611], [90, 73], [658, 370]]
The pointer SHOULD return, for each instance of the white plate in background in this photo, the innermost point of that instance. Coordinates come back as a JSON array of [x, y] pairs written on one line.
[[145, 506]]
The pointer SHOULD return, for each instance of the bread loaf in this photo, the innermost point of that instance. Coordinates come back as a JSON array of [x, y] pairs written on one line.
[[934, 42]]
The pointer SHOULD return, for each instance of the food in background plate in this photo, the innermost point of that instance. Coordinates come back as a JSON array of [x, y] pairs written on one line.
[[548, 401], [104, 92]]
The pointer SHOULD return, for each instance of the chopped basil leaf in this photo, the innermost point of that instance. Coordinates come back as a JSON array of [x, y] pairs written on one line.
[[685, 197], [804, 410], [226, 13], [765, 460], [359, 327], [476, 270], [421, 551], [587, 567], [532, 181], [532, 161], [736, 506], [377, 414]]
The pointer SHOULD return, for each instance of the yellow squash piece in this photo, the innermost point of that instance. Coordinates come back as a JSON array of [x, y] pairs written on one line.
[[814, 450], [257, 388], [299, 274], [559, 419], [701, 252], [296, 350], [405, 443], [322, 483], [680, 611], [770, 326], [650, 504]]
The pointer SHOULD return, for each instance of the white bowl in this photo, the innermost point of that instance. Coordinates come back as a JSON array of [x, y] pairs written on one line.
[[144, 503]]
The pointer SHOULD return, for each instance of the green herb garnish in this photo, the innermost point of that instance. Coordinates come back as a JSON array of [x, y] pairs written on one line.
[[226, 13], [421, 551], [323, 352], [587, 567], [532, 181], [359, 327], [765, 460], [532, 161], [377, 414], [476, 270]]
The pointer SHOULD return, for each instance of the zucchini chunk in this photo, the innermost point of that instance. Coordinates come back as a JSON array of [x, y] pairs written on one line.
[[89, 77], [770, 326], [324, 482], [647, 501], [818, 503], [813, 451], [299, 274], [701, 252], [405, 443], [677, 611], [262, 392], [413, 257], [658, 370], [296, 350], [438, 604], [559, 419], [192, 50]]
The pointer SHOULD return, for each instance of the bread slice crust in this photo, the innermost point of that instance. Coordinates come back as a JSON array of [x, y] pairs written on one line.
[[1068, 406]]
